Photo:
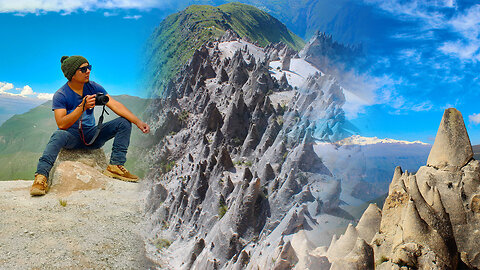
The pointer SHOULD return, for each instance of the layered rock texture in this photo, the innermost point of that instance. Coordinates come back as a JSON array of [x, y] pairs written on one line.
[[235, 182], [430, 220]]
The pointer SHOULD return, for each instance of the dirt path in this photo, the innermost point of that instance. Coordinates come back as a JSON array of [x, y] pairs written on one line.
[[96, 229]]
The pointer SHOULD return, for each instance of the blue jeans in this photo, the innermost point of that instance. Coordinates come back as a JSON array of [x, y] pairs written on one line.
[[119, 129]]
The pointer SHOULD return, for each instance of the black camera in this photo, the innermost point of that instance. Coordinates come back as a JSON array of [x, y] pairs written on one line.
[[101, 99]]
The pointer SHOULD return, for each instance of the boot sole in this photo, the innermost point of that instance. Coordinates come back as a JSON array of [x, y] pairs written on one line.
[[116, 176], [37, 192]]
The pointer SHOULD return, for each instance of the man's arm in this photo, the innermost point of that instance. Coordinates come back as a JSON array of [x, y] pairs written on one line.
[[122, 111], [65, 121]]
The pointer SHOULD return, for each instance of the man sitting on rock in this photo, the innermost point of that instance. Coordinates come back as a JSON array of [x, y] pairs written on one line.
[[73, 107]]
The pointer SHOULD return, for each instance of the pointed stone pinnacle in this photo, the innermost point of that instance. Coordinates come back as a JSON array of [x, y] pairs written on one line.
[[369, 223], [452, 148]]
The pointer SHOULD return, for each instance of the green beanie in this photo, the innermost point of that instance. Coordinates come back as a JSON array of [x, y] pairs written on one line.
[[70, 64]]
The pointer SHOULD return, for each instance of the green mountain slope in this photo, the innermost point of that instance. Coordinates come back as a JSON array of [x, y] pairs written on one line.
[[24, 137], [180, 34]]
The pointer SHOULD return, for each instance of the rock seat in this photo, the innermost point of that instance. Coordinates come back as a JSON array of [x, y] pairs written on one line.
[[78, 169]]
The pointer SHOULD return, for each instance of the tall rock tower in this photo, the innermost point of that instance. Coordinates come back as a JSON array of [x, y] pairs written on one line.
[[431, 219]]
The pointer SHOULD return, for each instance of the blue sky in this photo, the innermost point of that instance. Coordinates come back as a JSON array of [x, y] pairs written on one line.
[[111, 40], [36, 34], [423, 57]]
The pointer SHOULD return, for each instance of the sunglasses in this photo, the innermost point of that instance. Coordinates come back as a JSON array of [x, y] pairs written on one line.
[[84, 69]]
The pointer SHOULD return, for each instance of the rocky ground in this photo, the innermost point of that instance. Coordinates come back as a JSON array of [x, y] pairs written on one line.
[[95, 228]]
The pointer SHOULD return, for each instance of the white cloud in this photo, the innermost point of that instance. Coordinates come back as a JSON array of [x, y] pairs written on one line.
[[26, 91], [45, 96], [135, 17], [366, 90], [7, 89], [363, 90], [67, 6], [474, 118]]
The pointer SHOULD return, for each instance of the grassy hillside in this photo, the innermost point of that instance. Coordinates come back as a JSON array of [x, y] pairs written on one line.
[[24, 137], [180, 34]]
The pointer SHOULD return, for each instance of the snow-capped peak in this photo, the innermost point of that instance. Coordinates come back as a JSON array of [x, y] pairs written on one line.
[[359, 140]]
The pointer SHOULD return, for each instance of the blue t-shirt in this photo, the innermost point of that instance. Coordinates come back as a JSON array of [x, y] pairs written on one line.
[[66, 98]]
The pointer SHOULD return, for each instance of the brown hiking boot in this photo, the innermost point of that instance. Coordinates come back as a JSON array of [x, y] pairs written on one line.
[[40, 185], [120, 172]]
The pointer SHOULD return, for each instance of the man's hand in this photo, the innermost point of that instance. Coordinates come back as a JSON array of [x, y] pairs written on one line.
[[144, 127], [89, 101]]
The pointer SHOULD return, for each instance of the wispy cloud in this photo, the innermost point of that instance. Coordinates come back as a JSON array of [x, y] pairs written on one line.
[[363, 90], [467, 26], [416, 10], [463, 26], [134, 17], [410, 56], [474, 118], [360, 89], [435, 48], [67, 6], [109, 14]]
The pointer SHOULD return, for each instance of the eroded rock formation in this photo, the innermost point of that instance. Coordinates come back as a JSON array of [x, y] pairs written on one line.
[[236, 182], [430, 220]]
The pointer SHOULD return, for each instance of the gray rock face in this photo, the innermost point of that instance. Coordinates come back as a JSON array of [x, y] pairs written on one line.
[[320, 105], [324, 52], [229, 35], [452, 148], [286, 62], [237, 179]]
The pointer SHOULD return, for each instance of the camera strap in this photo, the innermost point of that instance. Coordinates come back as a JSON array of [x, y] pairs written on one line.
[[99, 126]]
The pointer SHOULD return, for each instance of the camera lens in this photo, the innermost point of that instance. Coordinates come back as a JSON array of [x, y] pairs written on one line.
[[101, 99]]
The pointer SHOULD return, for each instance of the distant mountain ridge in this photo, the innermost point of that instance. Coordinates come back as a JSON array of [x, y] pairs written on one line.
[[360, 140], [180, 34], [348, 21], [24, 137]]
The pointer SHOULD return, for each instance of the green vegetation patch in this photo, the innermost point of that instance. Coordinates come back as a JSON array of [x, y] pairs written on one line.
[[162, 243], [222, 209], [62, 202], [178, 36], [184, 116], [167, 166]]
